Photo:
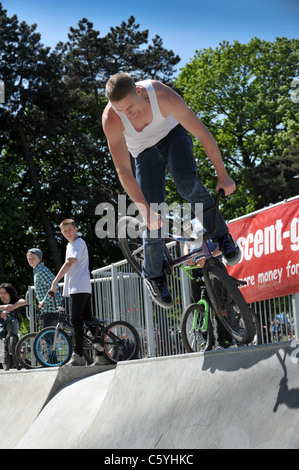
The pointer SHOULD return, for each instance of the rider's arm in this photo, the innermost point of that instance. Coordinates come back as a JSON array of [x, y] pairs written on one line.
[[3, 314], [18, 304], [62, 272], [113, 129], [10, 307], [171, 103]]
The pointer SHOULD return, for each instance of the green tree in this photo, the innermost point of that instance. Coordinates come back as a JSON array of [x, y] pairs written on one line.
[[54, 158], [242, 93]]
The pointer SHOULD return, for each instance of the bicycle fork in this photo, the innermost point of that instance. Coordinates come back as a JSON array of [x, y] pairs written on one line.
[[53, 347], [204, 327]]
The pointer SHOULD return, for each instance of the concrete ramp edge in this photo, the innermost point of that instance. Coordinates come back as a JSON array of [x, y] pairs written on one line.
[[238, 398], [25, 393]]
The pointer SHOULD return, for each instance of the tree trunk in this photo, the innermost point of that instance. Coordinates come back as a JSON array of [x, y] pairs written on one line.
[[39, 201]]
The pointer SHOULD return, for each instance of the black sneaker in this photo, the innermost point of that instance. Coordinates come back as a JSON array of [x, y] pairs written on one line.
[[230, 249], [225, 344], [159, 291]]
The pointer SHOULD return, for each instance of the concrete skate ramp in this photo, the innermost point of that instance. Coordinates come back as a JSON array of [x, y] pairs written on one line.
[[25, 393], [238, 398]]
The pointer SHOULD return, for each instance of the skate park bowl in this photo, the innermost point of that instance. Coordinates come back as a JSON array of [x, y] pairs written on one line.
[[243, 398]]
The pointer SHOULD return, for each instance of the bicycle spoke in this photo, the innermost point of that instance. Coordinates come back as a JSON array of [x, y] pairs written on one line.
[[50, 354]]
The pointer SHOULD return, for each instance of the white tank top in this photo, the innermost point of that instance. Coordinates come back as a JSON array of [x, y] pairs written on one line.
[[151, 134]]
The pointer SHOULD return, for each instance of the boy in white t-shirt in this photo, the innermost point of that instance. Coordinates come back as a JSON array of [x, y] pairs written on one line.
[[77, 285]]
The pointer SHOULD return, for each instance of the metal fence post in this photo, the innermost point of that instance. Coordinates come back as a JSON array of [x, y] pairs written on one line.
[[185, 290], [295, 302], [149, 322], [115, 294]]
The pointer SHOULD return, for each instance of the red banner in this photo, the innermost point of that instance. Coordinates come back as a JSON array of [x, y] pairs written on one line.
[[269, 240]]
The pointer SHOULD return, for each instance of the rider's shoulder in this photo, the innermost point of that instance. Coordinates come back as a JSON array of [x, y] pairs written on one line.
[[108, 112], [110, 117], [164, 92], [160, 87], [167, 98]]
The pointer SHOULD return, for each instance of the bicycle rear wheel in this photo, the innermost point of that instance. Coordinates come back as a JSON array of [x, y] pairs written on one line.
[[195, 337], [25, 352], [228, 302], [130, 241], [10, 360], [257, 339], [49, 355], [121, 342]]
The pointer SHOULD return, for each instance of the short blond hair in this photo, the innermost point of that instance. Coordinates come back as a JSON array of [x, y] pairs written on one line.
[[119, 86], [67, 222]]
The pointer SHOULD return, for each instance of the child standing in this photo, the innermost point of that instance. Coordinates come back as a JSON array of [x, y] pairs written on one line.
[[77, 285], [42, 278]]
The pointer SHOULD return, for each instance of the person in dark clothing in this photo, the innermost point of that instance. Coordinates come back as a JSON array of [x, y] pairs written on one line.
[[10, 302]]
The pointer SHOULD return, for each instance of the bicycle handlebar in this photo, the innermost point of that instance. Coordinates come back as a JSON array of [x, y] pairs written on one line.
[[9, 317], [215, 208]]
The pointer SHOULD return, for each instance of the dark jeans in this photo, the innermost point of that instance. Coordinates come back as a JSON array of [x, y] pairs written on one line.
[[3, 327], [176, 151], [81, 311]]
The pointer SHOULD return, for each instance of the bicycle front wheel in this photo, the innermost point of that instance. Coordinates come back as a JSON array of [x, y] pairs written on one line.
[[228, 302], [25, 352], [130, 241], [121, 342], [49, 354], [196, 329]]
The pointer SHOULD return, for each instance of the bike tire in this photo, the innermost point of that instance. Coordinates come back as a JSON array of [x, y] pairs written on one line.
[[25, 352], [121, 342], [228, 302], [196, 341], [131, 245], [13, 344], [48, 357], [257, 339], [89, 352], [6, 364], [10, 360]]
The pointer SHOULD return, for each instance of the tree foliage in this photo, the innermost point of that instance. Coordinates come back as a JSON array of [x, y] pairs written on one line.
[[54, 158]]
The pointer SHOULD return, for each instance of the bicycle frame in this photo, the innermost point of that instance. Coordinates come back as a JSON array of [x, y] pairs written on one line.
[[9, 333], [202, 301], [64, 321], [203, 250]]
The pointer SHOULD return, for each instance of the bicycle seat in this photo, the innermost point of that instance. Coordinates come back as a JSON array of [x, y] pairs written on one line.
[[94, 321]]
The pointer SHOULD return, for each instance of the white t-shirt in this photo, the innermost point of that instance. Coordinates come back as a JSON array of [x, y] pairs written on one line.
[[77, 279]]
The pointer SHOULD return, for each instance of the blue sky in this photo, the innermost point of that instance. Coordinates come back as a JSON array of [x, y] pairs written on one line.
[[184, 26]]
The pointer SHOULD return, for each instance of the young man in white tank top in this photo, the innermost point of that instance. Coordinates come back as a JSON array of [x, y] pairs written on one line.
[[150, 120]]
